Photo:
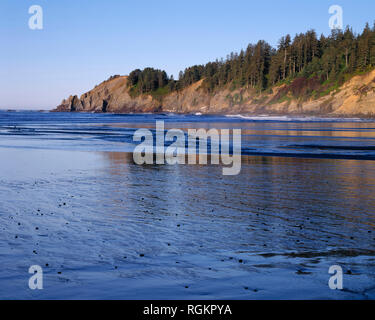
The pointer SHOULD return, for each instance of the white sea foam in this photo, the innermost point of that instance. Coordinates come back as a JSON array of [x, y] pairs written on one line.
[[294, 118]]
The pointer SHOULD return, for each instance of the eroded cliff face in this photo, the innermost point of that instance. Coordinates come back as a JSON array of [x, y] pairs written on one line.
[[355, 97], [110, 96]]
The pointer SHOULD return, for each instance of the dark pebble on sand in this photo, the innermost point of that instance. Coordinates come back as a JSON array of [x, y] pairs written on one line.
[[349, 272], [302, 272], [240, 261], [186, 287], [34, 252], [141, 255]]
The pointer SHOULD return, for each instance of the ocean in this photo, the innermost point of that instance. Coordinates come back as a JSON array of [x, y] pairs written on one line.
[[103, 227]]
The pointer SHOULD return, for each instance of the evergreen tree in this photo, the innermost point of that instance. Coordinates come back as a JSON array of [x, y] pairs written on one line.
[[260, 66]]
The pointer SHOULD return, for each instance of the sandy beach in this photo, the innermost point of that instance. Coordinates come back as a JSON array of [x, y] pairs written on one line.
[[102, 227]]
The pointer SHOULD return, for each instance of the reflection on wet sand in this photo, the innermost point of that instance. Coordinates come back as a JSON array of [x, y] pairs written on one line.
[[283, 191], [317, 210], [104, 227]]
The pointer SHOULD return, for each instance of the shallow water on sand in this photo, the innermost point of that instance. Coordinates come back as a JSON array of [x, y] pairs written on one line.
[[102, 227]]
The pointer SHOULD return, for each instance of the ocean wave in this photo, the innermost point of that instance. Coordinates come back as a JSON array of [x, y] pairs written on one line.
[[296, 118]]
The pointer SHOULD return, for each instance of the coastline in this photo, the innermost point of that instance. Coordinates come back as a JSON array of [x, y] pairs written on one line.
[[354, 98], [350, 117], [245, 116]]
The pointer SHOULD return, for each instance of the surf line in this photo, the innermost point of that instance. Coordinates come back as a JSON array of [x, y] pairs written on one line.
[[175, 153]]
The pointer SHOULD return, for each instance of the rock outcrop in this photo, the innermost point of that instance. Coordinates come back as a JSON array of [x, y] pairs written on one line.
[[111, 95], [355, 98]]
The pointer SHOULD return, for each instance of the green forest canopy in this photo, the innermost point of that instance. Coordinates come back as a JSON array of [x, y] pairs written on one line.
[[322, 61]]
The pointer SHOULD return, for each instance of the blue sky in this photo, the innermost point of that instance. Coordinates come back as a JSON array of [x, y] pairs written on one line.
[[83, 42]]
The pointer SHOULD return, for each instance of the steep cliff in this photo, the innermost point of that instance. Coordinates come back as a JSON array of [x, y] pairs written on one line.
[[354, 97], [111, 95]]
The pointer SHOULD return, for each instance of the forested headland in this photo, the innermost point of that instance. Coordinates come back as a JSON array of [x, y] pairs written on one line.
[[305, 74], [311, 65]]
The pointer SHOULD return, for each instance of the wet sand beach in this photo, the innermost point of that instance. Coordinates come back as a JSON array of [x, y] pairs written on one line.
[[101, 227]]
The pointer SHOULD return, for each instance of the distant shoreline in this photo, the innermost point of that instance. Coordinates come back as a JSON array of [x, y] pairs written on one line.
[[244, 116]]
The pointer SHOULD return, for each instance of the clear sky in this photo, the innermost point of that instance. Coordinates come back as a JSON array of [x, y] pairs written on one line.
[[83, 42]]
